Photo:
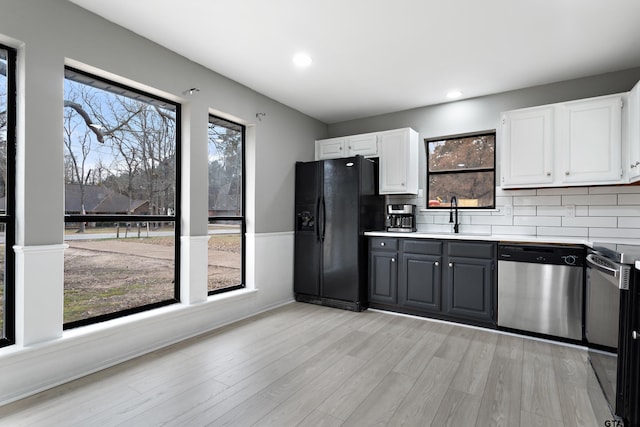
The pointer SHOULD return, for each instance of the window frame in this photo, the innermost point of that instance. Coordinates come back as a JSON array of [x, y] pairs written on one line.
[[462, 171], [241, 218], [175, 218], [8, 219]]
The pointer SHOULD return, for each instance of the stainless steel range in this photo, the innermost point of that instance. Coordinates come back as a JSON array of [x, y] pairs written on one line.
[[609, 274]]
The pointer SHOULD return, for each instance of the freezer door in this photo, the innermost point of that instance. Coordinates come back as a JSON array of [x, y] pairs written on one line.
[[307, 242], [340, 229], [306, 271]]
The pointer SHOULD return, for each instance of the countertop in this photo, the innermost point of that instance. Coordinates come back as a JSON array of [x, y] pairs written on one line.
[[488, 237]]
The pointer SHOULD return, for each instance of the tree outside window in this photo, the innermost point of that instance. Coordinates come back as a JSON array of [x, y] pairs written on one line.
[[226, 205], [7, 190], [464, 167], [121, 160]]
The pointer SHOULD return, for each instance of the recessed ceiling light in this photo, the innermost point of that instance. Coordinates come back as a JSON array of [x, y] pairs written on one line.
[[302, 59], [453, 94]]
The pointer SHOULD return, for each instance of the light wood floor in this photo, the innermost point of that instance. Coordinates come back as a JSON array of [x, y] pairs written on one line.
[[315, 366]]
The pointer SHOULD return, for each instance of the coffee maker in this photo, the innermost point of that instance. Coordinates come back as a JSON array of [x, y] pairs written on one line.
[[401, 218]]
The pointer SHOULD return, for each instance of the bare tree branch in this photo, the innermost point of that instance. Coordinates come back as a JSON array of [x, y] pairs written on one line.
[[85, 116]]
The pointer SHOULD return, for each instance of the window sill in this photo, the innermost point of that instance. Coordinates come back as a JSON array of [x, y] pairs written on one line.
[[158, 313]]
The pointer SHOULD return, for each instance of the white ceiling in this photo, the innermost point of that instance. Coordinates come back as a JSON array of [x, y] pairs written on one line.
[[378, 56]]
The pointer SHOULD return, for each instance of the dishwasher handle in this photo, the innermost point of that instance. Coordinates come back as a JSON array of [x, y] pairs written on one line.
[[600, 264]]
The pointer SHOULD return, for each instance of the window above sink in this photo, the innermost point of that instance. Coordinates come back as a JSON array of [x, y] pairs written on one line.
[[462, 166]]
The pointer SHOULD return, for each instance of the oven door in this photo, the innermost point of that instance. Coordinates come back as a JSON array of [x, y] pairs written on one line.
[[629, 360]]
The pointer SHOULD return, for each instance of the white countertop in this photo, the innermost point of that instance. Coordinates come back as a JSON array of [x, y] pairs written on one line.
[[486, 237]]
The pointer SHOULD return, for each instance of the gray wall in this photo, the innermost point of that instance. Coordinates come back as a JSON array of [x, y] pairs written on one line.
[[478, 114], [482, 113], [51, 33]]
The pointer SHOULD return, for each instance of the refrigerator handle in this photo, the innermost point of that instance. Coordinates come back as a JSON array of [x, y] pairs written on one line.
[[324, 218], [318, 218]]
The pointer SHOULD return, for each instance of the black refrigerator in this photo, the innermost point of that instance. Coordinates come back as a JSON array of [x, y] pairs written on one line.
[[336, 201]]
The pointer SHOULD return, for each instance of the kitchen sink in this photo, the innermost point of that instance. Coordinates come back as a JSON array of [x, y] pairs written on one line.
[[452, 234]]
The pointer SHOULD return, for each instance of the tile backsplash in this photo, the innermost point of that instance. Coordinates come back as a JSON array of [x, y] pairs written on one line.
[[593, 213]]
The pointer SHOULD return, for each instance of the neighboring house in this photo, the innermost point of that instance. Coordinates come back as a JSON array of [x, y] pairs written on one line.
[[101, 200], [225, 204]]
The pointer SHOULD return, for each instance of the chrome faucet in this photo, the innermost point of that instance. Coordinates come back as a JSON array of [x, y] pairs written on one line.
[[454, 207]]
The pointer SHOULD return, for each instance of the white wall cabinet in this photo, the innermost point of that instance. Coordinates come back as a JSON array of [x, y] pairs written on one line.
[[399, 161], [633, 128], [396, 149], [527, 150], [363, 145], [590, 135], [565, 144], [333, 148]]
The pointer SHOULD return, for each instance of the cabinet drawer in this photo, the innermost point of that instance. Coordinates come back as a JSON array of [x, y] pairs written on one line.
[[472, 250], [384, 243], [423, 247]]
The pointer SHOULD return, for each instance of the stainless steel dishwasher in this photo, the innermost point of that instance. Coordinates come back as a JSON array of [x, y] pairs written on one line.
[[540, 289]]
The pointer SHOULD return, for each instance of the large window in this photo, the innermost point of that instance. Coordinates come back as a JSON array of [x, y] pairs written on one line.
[[226, 205], [7, 205], [464, 167], [121, 158]]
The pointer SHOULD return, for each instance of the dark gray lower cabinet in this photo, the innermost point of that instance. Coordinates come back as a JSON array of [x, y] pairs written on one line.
[[470, 287], [420, 278], [450, 279], [383, 271]]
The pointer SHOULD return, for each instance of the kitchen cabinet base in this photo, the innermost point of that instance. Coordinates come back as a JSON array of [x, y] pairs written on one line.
[[435, 316], [330, 302]]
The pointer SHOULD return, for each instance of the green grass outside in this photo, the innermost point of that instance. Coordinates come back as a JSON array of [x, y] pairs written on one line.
[[77, 304]]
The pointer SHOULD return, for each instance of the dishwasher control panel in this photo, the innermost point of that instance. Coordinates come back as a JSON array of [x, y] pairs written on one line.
[[542, 254]]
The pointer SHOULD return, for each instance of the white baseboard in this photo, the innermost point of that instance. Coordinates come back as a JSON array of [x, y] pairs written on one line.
[[28, 369]]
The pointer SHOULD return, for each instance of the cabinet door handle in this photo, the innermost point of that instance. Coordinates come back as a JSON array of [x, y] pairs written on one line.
[[567, 173], [436, 263], [393, 260], [450, 264], [548, 173], [382, 244], [634, 335]]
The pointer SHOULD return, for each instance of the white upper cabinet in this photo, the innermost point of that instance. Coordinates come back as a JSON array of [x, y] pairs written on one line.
[[332, 148], [399, 161], [363, 145], [527, 150], [633, 118], [591, 134], [564, 144], [396, 149]]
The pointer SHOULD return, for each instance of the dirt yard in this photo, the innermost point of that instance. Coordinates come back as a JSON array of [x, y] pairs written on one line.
[[108, 275]]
